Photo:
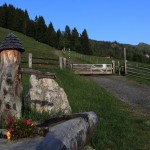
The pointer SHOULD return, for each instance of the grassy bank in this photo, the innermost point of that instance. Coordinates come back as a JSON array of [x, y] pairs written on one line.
[[118, 128]]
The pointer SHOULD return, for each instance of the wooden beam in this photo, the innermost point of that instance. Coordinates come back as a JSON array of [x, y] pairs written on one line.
[[38, 73]]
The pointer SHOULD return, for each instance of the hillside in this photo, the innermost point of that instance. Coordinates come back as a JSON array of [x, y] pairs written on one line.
[[30, 44], [136, 53]]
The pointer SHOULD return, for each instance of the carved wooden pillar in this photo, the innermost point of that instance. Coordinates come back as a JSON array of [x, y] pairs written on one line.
[[10, 77]]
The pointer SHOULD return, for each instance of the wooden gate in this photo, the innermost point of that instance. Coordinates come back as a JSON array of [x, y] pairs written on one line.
[[86, 69]]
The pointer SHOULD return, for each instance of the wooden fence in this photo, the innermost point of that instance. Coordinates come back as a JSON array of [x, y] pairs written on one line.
[[60, 61], [138, 72], [87, 69]]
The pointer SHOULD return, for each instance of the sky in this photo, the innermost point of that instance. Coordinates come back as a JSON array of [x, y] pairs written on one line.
[[124, 21]]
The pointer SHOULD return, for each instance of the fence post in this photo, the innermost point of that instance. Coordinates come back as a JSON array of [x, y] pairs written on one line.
[[113, 65], [30, 60], [69, 55], [64, 62], [119, 67], [60, 63], [125, 62], [71, 66], [10, 77]]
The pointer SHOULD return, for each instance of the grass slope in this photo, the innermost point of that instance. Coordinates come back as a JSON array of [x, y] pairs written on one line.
[[30, 45], [118, 129]]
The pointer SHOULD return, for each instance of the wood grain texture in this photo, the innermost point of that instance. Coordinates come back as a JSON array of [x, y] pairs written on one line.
[[10, 84]]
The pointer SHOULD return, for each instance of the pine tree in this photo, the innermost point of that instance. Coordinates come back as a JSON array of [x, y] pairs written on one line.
[[10, 16], [25, 22], [62, 41], [67, 36], [3, 16], [18, 20], [75, 41], [85, 45], [58, 38], [40, 29], [51, 36], [30, 30]]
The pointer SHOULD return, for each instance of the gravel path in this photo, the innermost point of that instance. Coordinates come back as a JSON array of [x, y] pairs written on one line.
[[137, 95]]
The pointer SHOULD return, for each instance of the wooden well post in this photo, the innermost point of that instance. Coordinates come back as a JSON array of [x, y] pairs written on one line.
[[10, 77]]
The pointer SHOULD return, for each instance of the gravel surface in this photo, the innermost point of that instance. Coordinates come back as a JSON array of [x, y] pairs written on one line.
[[136, 95]]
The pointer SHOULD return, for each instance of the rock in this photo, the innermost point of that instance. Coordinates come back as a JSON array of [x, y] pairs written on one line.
[[46, 95]]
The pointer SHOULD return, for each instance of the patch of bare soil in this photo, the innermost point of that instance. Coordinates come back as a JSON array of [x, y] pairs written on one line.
[[136, 95]]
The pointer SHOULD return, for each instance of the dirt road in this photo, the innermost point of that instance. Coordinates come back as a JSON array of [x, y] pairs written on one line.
[[136, 95]]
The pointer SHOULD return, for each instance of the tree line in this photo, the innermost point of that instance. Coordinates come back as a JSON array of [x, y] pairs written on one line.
[[18, 20], [138, 53]]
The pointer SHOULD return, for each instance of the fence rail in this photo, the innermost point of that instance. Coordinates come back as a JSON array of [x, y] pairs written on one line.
[[54, 59], [138, 72], [60, 61]]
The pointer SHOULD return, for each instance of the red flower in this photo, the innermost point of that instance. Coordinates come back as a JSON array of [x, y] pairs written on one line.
[[10, 130], [11, 120], [29, 122], [24, 121]]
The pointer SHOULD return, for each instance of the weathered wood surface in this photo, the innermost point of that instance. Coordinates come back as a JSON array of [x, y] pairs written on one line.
[[10, 84], [61, 62], [30, 60], [86, 69], [72, 134], [64, 62], [61, 118], [113, 67], [65, 135], [38, 73], [125, 62]]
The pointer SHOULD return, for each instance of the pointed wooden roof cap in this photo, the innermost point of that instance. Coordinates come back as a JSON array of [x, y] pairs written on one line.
[[11, 42]]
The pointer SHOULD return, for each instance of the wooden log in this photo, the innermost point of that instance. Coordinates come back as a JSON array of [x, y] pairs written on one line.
[[38, 73], [10, 84], [44, 58], [59, 119], [72, 134]]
